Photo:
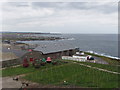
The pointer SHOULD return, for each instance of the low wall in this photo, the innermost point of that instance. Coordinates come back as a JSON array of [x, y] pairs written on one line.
[[13, 62]]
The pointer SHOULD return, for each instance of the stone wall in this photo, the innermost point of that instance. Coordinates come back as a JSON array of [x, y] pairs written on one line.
[[12, 62]]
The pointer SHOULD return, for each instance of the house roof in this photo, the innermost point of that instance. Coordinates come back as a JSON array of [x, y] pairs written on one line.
[[8, 56], [52, 47], [17, 52]]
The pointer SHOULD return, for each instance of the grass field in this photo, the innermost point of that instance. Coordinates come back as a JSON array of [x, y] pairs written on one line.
[[75, 75], [110, 67], [11, 71], [103, 66]]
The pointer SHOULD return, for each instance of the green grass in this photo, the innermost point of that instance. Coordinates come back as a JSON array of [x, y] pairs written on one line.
[[109, 67], [75, 75], [0, 73], [103, 66], [11, 71]]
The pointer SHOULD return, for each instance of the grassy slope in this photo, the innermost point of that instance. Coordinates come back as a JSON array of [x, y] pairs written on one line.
[[113, 68], [103, 66], [74, 74], [11, 71]]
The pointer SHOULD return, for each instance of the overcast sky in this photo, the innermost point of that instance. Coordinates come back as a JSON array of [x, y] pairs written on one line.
[[64, 17]]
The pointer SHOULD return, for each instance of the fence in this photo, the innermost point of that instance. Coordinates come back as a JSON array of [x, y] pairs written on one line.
[[83, 59]]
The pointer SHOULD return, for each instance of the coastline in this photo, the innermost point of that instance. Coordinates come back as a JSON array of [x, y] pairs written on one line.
[[103, 55], [36, 37], [111, 61]]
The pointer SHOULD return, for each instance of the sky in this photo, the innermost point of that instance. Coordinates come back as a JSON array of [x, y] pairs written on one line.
[[60, 17]]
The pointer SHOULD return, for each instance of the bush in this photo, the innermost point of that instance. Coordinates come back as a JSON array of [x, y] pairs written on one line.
[[43, 63], [54, 62], [37, 63]]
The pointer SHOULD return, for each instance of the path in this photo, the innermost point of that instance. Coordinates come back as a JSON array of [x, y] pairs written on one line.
[[100, 60], [8, 82], [100, 69]]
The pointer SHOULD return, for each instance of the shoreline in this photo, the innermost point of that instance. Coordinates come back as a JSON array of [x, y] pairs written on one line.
[[109, 60], [103, 55]]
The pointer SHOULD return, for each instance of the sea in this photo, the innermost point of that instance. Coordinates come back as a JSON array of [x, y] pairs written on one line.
[[101, 44]]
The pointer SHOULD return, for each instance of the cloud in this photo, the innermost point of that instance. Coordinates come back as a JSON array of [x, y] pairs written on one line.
[[16, 11], [51, 16], [106, 7]]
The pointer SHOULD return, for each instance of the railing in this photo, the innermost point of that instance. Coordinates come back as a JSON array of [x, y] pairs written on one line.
[[73, 58]]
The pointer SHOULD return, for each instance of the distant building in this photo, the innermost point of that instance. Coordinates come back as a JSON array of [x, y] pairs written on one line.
[[11, 56], [54, 50]]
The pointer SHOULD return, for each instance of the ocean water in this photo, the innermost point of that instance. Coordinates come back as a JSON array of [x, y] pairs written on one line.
[[104, 44]]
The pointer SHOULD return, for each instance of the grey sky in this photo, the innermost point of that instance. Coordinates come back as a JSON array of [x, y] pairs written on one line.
[[65, 17]]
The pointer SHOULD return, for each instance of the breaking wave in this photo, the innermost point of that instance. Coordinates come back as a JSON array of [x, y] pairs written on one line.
[[103, 54]]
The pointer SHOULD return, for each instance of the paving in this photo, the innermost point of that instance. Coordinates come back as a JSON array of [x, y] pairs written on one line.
[[17, 52], [100, 60], [8, 82]]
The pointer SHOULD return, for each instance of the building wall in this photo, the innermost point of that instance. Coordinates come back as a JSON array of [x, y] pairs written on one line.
[[53, 55], [56, 55], [33, 54], [37, 55]]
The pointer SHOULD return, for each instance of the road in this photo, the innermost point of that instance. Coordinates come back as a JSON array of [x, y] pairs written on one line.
[[100, 60], [8, 82]]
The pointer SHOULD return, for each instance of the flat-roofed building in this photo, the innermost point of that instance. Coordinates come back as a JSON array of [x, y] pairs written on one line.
[[53, 50]]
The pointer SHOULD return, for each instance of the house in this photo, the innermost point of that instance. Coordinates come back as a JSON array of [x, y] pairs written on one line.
[[11, 56], [55, 50]]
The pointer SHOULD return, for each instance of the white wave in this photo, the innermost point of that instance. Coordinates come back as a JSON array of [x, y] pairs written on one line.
[[103, 54], [71, 39]]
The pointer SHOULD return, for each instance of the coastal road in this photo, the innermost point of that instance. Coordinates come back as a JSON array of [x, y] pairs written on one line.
[[100, 60]]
